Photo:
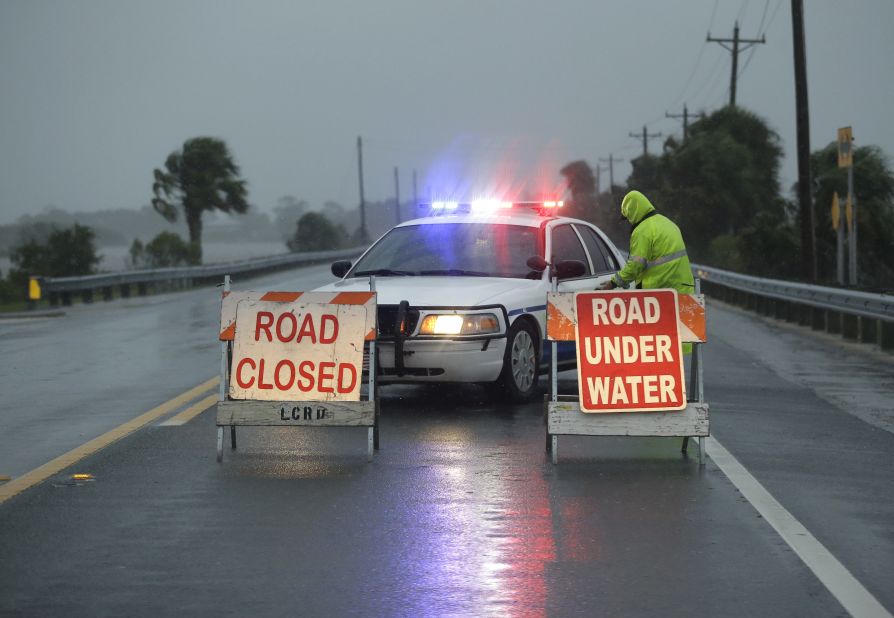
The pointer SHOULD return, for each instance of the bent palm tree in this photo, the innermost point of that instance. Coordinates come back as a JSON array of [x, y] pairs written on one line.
[[202, 176]]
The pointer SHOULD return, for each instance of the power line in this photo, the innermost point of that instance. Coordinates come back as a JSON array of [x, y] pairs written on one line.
[[761, 30], [711, 76]]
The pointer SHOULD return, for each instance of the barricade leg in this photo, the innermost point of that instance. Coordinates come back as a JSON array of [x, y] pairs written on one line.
[[549, 438], [233, 437], [701, 450], [555, 449], [369, 444], [376, 428], [219, 444], [685, 448]]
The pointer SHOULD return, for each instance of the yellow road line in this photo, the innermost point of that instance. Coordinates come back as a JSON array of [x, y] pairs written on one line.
[[191, 412], [41, 473]]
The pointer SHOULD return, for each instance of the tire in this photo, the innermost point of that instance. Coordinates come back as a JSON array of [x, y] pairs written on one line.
[[521, 365]]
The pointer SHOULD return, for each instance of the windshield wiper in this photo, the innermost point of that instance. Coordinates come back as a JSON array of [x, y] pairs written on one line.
[[455, 272], [384, 272]]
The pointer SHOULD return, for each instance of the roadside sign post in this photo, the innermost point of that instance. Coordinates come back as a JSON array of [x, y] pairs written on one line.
[[297, 359], [846, 159], [630, 365], [838, 226]]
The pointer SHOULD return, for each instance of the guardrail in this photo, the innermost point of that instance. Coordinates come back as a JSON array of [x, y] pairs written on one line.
[[59, 290], [857, 315]]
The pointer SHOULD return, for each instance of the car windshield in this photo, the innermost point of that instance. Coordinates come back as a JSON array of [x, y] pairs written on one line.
[[470, 249]]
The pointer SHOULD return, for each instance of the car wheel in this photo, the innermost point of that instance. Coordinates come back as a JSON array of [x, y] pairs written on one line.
[[521, 366]]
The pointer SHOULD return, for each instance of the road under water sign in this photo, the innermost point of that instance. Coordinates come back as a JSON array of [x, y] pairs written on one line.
[[629, 353]]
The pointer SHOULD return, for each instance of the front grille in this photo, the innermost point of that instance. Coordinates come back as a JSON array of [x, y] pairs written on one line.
[[388, 317]]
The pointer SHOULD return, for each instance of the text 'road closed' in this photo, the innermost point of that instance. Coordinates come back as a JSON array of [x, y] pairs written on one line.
[[629, 356], [298, 351]]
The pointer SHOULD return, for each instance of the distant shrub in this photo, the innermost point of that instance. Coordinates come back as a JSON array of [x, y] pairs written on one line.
[[66, 252], [164, 251], [315, 232]]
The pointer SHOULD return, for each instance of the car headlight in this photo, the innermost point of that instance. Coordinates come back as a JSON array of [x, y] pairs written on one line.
[[454, 324]]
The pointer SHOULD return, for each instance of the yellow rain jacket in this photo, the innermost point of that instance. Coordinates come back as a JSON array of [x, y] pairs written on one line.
[[657, 253]]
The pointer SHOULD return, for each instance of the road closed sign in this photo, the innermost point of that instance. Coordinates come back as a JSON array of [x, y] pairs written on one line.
[[629, 356], [298, 351]]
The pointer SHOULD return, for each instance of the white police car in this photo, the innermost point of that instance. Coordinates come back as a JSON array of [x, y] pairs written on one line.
[[462, 292]]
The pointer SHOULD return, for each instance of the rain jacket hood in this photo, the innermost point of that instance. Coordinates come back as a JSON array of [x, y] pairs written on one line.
[[635, 207]]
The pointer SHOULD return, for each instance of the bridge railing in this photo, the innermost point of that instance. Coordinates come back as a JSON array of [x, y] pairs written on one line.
[[864, 316], [60, 290]]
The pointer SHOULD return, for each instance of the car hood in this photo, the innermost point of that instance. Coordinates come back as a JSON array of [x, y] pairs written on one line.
[[437, 291]]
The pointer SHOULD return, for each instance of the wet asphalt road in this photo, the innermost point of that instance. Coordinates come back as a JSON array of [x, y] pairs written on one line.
[[460, 514]]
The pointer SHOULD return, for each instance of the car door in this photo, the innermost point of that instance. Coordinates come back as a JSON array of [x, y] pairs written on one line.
[[603, 260], [567, 244]]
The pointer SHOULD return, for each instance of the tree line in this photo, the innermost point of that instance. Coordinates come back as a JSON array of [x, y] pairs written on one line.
[[721, 186]]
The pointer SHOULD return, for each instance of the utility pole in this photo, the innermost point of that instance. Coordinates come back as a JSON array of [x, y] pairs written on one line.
[[735, 50], [363, 236], [805, 198], [611, 172], [598, 169], [685, 117], [396, 196], [415, 196], [645, 137]]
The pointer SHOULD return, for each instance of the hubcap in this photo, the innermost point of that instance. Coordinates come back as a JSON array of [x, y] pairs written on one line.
[[523, 361]]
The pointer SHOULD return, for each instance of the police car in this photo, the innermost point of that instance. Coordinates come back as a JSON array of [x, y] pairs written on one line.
[[462, 290]]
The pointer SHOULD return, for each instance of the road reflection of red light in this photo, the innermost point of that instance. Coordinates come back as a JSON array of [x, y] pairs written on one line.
[[575, 547], [530, 550]]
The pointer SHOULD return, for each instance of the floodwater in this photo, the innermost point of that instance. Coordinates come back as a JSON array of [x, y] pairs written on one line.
[[115, 258]]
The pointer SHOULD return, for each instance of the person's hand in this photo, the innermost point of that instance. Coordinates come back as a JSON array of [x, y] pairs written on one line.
[[607, 285]]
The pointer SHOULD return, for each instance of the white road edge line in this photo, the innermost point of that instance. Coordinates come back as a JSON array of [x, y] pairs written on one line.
[[857, 601]]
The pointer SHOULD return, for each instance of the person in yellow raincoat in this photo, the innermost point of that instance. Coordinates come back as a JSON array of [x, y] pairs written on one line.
[[657, 252]]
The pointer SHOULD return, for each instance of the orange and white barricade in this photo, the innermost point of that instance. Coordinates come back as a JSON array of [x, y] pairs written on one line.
[[630, 365], [296, 359]]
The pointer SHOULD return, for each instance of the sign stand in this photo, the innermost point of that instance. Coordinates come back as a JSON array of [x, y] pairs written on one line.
[[564, 415], [297, 413]]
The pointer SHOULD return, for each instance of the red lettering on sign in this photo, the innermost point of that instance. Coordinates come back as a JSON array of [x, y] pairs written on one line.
[[342, 370], [330, 319], [293, 326], [284, 385], [242, 363], [306, 383], [261, 384], [326, 376], [307, 329], [263, 323]]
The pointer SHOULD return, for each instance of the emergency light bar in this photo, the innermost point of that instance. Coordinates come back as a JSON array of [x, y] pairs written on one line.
[[486, 206]]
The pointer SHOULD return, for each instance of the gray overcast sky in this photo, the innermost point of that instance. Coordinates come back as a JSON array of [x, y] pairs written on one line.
[[478, 96]]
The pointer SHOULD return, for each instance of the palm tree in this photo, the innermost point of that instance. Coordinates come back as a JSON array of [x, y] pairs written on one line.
[[202, 176]]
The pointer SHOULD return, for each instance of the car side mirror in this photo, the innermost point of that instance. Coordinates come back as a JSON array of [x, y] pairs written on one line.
[[537, 263], [569, 269], [340, 268]]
